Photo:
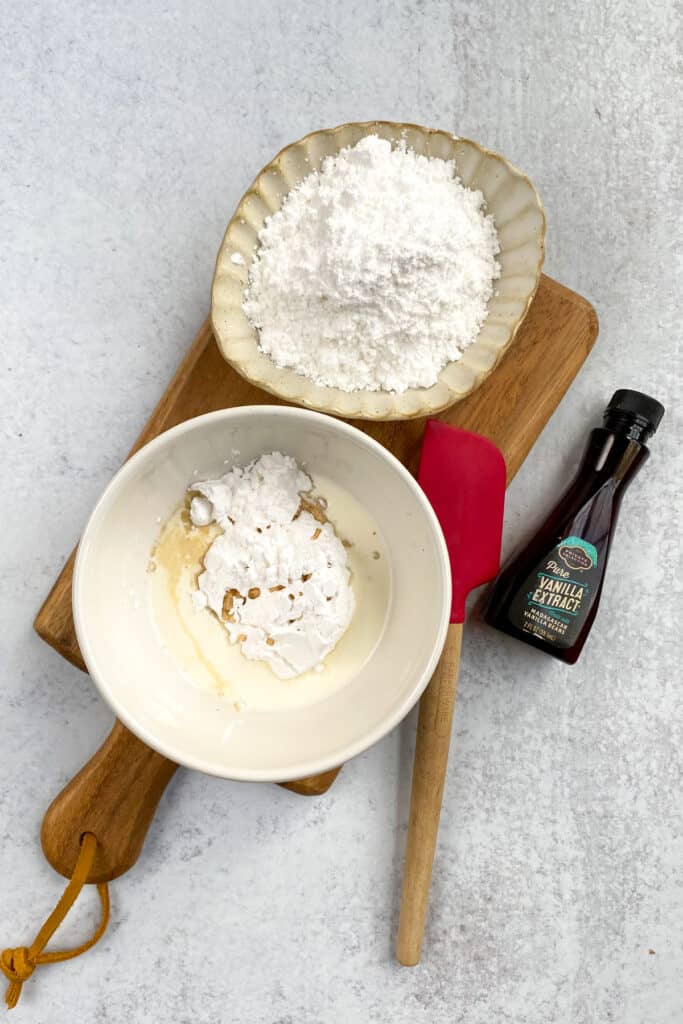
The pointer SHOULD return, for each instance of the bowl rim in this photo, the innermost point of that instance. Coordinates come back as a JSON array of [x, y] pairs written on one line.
[[332, 406], [122, 710]]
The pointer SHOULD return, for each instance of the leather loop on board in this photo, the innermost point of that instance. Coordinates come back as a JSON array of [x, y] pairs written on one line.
[[19, 964]]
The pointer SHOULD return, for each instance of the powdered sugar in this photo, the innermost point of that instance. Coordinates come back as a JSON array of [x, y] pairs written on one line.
[[285, 574], [264, 492], [376, 272]]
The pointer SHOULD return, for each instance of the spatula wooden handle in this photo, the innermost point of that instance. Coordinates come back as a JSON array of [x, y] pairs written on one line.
[[429, 775], [115, 796]]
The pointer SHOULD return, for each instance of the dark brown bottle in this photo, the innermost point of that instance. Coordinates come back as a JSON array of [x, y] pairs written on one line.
[[548, 595]]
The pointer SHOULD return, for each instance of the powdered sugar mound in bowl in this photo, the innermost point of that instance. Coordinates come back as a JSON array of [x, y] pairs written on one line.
[[277, 575], [376, 271]]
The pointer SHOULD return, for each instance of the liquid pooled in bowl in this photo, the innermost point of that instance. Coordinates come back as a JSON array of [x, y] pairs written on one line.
[[268, 587]]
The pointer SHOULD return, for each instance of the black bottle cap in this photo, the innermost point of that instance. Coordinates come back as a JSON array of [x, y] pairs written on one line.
[[641, 409]]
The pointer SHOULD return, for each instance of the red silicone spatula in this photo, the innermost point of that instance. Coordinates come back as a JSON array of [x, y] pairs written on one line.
[[463, 475]]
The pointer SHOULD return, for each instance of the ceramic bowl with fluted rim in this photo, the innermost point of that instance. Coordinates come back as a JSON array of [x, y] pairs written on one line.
[[519, 217]]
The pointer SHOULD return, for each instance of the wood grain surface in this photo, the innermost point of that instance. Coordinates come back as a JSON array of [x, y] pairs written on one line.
[[114, 796], [510, 408], [429, 775]]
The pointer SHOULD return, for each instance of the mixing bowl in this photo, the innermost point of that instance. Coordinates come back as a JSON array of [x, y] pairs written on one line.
[[518, 214], [147, 688]]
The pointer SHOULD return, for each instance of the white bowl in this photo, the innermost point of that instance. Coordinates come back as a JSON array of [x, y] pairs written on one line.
[[146, 688], [518, 214]]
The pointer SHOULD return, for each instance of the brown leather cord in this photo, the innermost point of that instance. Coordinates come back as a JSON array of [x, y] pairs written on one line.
[[19, 964]]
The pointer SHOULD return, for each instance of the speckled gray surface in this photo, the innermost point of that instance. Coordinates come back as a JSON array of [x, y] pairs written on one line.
[[129, 132]]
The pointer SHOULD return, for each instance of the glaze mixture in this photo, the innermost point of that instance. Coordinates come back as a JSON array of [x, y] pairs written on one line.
[[267, 591]]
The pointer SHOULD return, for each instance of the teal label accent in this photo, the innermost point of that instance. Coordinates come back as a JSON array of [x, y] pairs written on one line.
[[577, 554], [558, 594]]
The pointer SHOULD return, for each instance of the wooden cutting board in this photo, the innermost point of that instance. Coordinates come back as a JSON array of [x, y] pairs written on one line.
[[510, 408]]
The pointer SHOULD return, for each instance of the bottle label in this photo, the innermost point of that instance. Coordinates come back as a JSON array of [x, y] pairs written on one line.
[[558, 594]]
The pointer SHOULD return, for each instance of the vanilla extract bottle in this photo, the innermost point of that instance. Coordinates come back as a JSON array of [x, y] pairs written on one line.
[[548, 595]]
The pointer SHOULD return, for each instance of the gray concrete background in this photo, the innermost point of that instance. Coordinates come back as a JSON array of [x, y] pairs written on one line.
[[129, 131]]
